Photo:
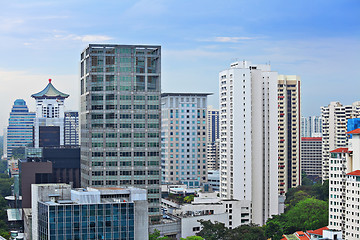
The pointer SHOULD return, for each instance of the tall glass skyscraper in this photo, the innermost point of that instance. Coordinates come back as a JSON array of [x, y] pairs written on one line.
[[20, 129], [120, 118]]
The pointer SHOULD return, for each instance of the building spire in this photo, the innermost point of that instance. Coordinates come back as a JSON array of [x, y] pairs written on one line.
[[50, 92]]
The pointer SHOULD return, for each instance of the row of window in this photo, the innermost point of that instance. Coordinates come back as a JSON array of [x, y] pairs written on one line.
[[124, 135], [124, 154], [124, 173]]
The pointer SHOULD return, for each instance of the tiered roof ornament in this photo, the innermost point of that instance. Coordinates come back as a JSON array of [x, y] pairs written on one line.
[[50, 92]]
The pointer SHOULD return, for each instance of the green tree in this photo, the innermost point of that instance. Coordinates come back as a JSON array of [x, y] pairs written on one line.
[[274, 227], [297, 197], [189, 198], [308, 214], [156, 236], [5, 185], [3, 166], [305, 180], [218, 231], [192, 238], [212, 231], [248, 232], [321, 191]]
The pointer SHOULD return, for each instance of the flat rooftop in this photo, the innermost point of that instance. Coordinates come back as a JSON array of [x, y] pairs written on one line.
[[185, 94]]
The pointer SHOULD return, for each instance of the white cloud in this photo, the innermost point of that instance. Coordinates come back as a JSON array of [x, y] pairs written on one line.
[[83, 38], [227, 39], [93, 38]]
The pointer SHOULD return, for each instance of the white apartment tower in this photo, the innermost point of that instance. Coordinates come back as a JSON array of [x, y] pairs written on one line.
[[344, 188], [183, 123], [248, 137], [289, 132], [334, 120], [213, 140]]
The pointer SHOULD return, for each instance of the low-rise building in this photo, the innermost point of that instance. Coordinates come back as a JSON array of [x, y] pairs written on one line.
[[208, 206], [59, 212]]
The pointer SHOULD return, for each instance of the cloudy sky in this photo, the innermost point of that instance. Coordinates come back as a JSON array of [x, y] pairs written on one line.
[[318, 40]]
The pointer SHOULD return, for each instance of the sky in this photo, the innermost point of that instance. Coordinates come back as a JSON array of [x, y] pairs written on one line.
[[318, 40]]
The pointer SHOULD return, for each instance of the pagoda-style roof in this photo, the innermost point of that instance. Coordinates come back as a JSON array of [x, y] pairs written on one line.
[[50, 92]]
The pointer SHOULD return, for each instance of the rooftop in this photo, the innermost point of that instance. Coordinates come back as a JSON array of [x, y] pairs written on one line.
[[311, 138], [354, 173], [340, 150], [355, 131], [185, 94], [318, 232], [50, 92]]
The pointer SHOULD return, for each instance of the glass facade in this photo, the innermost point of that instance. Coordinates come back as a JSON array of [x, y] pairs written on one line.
[[352, 124], [120, 118], [86, 221], [20, 129]]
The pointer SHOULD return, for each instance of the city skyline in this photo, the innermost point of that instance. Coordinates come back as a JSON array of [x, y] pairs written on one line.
[[315, 40]]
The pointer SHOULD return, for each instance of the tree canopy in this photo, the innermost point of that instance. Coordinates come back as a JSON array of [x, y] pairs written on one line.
[[218, 231], [156, 236], [306, 209], [192, 238]]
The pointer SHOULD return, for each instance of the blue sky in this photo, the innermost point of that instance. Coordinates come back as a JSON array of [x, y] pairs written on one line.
[[317, 40]]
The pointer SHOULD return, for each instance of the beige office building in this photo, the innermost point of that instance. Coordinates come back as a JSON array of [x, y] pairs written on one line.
[[289, 132], [183, 138]]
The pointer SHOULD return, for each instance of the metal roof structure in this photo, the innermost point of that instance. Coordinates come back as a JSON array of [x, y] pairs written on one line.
[[50, 92]]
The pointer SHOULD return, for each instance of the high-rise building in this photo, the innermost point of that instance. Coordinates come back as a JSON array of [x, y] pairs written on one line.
[[311, 126], [289, 132], [248, 137], [183, 123], [213, 141], [344, 187], [334, 127], [120, 118], [59, 212], [311, 162], [71, 128], [49, 120], [20, 130]]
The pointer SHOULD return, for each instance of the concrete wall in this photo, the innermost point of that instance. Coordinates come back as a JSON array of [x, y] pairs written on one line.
[[141, 220]]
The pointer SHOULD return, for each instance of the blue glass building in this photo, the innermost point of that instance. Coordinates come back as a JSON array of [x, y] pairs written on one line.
[[66, 221], [352, 124], [62, 213], [20, 129]]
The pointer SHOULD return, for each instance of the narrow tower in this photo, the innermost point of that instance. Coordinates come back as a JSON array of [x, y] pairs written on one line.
[[49, 120]]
